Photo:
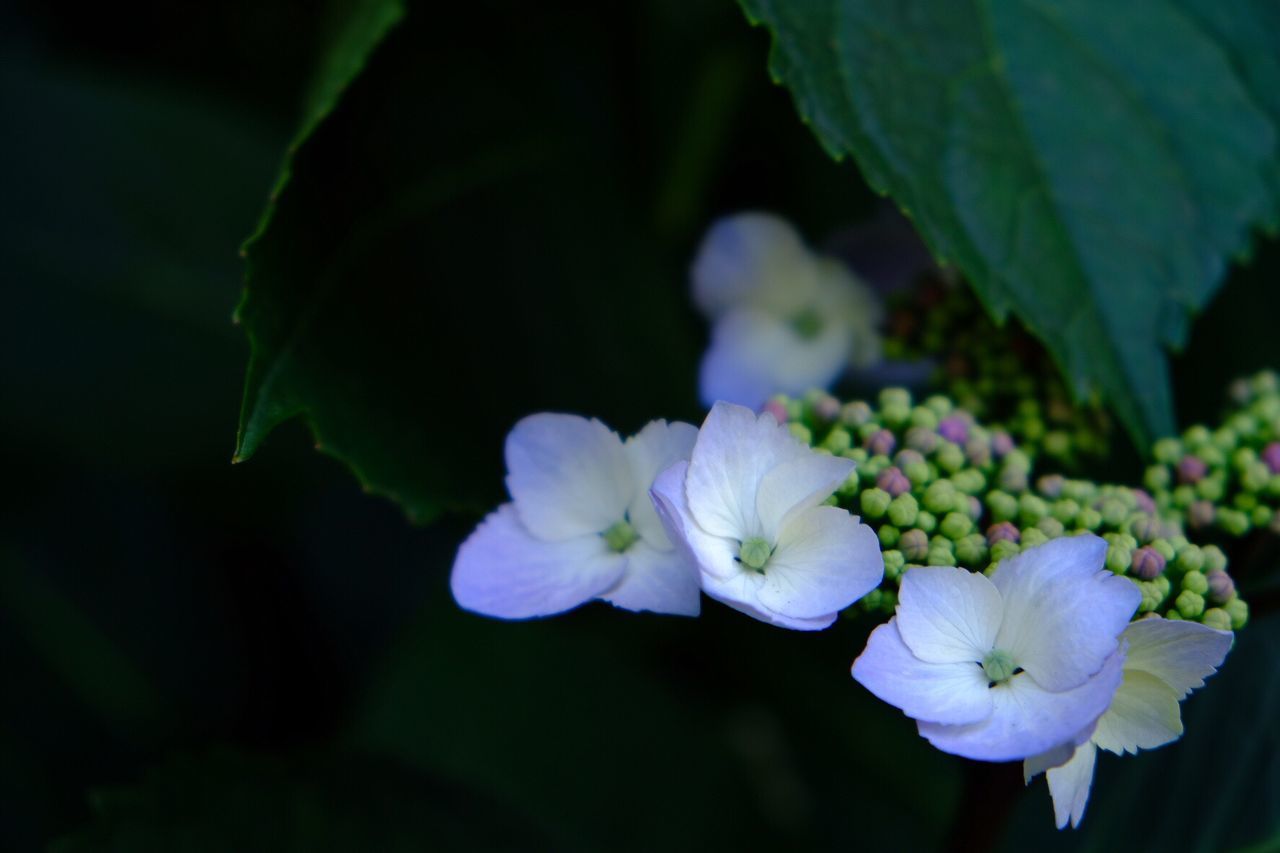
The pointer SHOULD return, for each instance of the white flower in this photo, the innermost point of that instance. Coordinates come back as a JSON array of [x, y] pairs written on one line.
[[1008, 667], [580, 524], [785, 319], [1165, 661], [747, 508]]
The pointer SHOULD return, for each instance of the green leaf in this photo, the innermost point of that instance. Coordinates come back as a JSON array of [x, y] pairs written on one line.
[[457, 249], [1089, 166]]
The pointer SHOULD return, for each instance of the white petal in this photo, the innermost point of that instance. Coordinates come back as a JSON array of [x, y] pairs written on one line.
[[735, 449], [797, 485], [1063, 614], [1181, 654], [1143, 715], [952, 693], [755, 354], [764, 615], [825, 560], [1056, 757], [1069, 786], [650, 452], [501, 570], [713, 556], [567, 475], [948, 615], [744, 255], [658, 581], [1027, 720]]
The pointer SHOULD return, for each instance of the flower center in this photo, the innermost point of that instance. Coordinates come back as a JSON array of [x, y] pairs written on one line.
[[754, 553], [807, 324], [620, 536], [999, 666]]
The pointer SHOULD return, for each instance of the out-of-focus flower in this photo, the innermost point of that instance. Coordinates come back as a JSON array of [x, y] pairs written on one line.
[[580, 524], [784, 318], [1008, 667], [747, 509], [1165, 661]]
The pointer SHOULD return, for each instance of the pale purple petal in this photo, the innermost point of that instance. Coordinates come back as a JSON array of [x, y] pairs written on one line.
[[650, 452], [735, 449], [1143, 715], [1181, 654], [797, 485], [658, 581], [755, 354], [1069, 786], [1063, 614], [1027, 720], [824, 560], [953, 693], [741, 256], [501, 570], [765, 615], [948, 615], [567, 475], [713, 556], [1056, 757]]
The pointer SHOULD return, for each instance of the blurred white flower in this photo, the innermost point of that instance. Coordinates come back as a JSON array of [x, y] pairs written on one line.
[[580, 524], [747, 509], [1165, 661], [1008, 667], [784, 318]]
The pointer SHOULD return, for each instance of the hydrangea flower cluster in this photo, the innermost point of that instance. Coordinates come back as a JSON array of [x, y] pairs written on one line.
[[784, 319]]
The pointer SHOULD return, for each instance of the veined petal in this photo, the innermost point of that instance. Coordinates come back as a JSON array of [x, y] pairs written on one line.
[[1027, 720], [952, 693], [1181, 654], [1063, 614], [1069, 786], [658, 581], [567, 475], [712, 556], [948, 615], [735, 449], [796, 485], [755, 354], [744, 255], [650, 452], [825, 560], [501, 570], [1143, 715]]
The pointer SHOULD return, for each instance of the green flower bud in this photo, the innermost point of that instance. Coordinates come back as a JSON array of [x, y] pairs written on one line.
[[940, 496], [1225, 439], [924, 417], [1173, 615], [926, 521], [970, 481], [1032, 537], [871, 601], [950, 457], [1196, 582], [1003, 548], [903, 510], [857, 454], [1232, 521], [889, 536], [1255, 477], [1065, 510], [1262, 516], [1216, 617], [941, 557], [1184, 496], [893, 564], [1214, 559], [1164, 547], [875, 503], [800, 432], [956, 526], [1118, 559], [1189, 559], [867, 430], [1245, 502], [838, 440], [919, 473], [1157, 478], [1003, 506], [855, 414], [850, 486], [1243, 457], [1113, 511], [1089, 519], [1189, 604], [1051, 527], [888, 600], [940, 405], [1238, 611], [1196, 437], [1031, 508], [895, 397], [1211, 488], [971, 551], [895, 416], [1018, 461], [831, 501], [1167, 451]]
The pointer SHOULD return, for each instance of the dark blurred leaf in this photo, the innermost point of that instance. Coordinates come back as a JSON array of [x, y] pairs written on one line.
[[448, 259], [1218, 788], [222, 801], [1091, 167]]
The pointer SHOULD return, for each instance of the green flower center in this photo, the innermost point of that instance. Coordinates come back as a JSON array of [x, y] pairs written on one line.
[[807, 324], [999, 666], [620, 536], [754, 553]]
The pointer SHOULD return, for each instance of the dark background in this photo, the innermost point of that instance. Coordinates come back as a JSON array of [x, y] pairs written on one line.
[[203, 656]]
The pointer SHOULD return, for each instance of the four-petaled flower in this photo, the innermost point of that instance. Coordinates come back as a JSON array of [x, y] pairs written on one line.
[[580, 524], [748, 510], [785, 319], [1008, 667], [1165, 660]]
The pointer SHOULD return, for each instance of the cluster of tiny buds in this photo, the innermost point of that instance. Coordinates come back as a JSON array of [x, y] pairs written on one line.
[[941, 489], [1225, 482]]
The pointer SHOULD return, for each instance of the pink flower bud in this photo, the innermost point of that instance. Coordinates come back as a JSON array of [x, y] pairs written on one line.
[[1148, 563]]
